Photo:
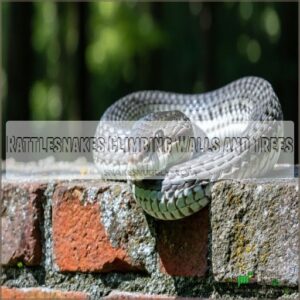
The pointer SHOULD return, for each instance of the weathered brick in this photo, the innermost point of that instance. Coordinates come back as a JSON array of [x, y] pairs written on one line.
[[81, 241], [255, 228], [118, 295], [40, 294], [21, 217], [183, 245]]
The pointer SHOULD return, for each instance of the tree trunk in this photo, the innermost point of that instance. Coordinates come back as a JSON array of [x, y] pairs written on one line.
[[20, 61]]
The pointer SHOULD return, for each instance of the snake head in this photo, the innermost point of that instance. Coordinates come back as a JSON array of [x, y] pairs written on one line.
[[161, 140]]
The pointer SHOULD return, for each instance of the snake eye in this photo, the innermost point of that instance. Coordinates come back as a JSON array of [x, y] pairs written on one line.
[[159, 133]]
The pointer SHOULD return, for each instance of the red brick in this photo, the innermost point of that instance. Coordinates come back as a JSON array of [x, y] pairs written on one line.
[[183, 245], [80, 240], [21, 217], [40, 293], [116, 295]]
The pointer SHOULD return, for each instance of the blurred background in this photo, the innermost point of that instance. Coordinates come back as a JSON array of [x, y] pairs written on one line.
[[70, 61]]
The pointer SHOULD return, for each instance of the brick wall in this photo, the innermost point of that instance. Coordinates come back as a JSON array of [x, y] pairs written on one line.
[[85, 239]]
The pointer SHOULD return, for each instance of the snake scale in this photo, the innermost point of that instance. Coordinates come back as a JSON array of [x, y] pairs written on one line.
[[177, 196]]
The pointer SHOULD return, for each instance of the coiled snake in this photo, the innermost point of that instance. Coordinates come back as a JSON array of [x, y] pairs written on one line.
[[177, 195]]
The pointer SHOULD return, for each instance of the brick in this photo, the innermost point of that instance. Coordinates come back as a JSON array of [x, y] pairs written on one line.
[[118, 295], [40, 293], [21, 220], [183, 245], [255, 228], [81, 240]]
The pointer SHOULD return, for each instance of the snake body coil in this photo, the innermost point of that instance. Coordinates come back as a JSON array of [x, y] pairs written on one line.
[[177, 196]]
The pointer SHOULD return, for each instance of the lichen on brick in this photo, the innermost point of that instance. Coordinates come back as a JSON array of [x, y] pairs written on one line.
[[254, 228], [127, 226]]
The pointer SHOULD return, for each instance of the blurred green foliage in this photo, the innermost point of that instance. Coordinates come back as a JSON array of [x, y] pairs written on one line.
[[81, 57], [118, 34]]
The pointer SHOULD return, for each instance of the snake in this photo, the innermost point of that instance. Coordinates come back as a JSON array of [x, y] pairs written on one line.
[[179, 194]]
